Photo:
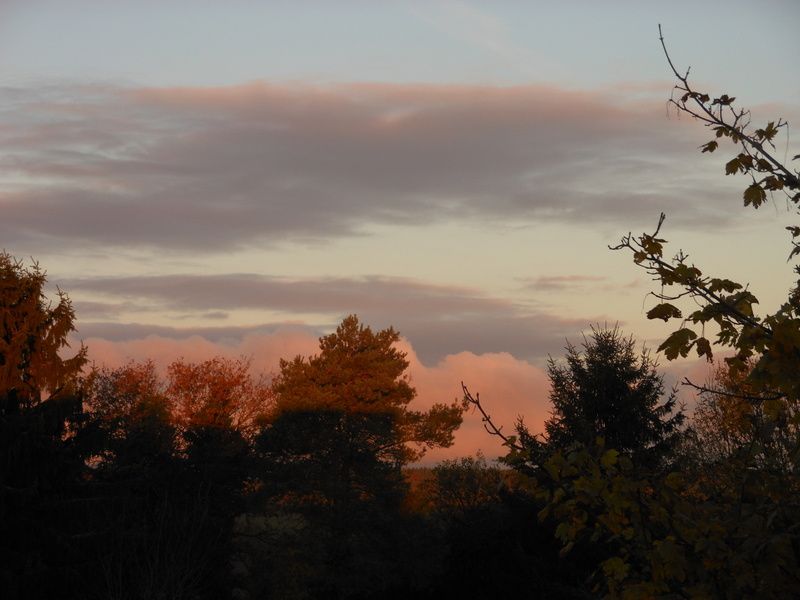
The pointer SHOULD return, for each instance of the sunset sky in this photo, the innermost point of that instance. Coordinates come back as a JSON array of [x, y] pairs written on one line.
[[235, 177]]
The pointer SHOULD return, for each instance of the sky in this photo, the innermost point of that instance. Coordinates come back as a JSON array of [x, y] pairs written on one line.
[[234, 178]]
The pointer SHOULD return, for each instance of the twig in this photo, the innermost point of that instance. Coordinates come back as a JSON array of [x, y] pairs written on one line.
[[705, 390], [488, 424]]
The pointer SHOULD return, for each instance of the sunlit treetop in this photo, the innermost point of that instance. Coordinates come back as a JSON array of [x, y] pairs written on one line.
[[359, 371], [219, 393], [33, 335]]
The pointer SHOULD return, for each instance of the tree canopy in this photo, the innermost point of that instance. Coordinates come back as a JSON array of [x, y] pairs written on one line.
[[332, 451], [361, 372]]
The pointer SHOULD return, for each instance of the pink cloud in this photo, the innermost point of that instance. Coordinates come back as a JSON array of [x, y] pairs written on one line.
[[509, 387], [265, 350]]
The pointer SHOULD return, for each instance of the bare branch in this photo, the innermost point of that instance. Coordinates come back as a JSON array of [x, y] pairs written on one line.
[[706, 390], [488, 424]]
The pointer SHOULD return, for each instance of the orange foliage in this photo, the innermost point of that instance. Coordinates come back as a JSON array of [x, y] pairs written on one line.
[[361, 372], [131, 392], [357, 371], [33, 336], [730, 417], [218, 392]]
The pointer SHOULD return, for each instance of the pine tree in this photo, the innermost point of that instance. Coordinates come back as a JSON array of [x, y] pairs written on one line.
[[610, 390]]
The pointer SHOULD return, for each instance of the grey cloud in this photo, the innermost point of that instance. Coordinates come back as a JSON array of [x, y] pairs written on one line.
[[215, 315], [560, 282], [102, 310], [388, 295], [437, 319], [531, 338], [206, 170], [120, 332]]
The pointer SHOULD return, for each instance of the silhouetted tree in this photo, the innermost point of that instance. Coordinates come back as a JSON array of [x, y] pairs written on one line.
[[40, 407], [610, 390], [173, 471], [492, 544], [333, 450], [354, 397], [463, 485]]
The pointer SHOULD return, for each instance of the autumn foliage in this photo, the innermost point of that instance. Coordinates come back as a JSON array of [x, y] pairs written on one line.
[[219, 393], [360, 372], [33, 333]]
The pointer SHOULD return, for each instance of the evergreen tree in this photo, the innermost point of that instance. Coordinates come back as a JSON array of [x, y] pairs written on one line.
[[610, 390]]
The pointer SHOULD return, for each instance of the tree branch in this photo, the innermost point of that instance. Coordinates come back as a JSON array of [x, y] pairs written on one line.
[[719, 120], [706, 390], [488, 424]]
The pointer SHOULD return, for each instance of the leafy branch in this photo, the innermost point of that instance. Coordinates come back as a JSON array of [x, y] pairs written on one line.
[[722, 301], [772, 341], [725, 120]]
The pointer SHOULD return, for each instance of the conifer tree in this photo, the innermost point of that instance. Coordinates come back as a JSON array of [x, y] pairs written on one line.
[[610, 390]]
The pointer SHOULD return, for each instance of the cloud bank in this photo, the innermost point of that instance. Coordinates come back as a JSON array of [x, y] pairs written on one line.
[[211, 169], [438, 319]]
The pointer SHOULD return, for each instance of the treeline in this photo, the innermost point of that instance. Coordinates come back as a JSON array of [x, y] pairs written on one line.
[[209, 482]]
